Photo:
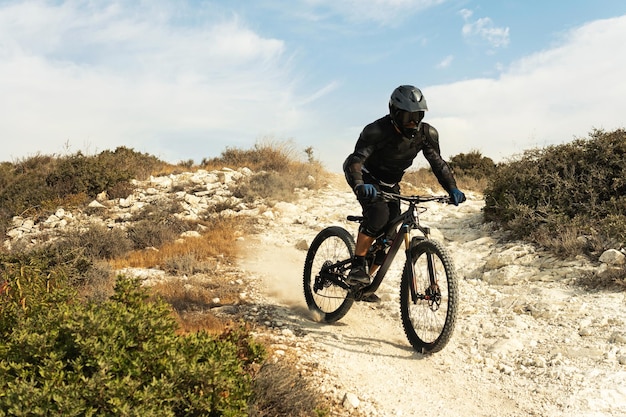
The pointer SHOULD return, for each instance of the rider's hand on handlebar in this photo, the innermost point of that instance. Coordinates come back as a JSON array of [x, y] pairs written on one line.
[[456, 196], [366, 191]]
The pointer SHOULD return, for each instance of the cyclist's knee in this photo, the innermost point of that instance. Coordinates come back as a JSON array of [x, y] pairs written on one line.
[[368, 231]]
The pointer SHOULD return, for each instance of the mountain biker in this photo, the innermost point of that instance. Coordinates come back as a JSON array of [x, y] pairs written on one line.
[[385, 149]]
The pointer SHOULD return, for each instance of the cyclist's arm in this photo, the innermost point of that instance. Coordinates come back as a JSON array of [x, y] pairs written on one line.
[[432, 153], [365, 146]]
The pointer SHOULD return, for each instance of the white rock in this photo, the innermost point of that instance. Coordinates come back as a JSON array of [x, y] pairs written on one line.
[[96, 204], [126, 202], [17, 221], [190, 233], [350, 401], [613, 257]]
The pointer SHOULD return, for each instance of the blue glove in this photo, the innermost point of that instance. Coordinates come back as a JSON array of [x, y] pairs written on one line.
[[366, 191], [456, 196]]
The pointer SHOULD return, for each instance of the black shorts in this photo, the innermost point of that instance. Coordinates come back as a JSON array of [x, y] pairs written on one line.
[[378, 213]]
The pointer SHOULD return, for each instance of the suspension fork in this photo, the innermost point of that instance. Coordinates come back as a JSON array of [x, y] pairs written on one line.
[[409, 259], [411, 265]]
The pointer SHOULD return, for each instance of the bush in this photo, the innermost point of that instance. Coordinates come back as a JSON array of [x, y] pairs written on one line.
[[96, 242], [264, 156], [278, 170], [471, 172], [472, 164], [119, 357], [41, 183], [564, 192]]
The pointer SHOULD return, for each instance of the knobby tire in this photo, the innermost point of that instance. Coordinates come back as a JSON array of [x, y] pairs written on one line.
[[331, 302], [427, 324]]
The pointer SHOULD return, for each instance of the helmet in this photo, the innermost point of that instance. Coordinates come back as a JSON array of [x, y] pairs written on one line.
[[407, 104]]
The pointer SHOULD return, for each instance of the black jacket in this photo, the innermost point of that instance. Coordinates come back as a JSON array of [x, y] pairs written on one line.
[[386, 154]]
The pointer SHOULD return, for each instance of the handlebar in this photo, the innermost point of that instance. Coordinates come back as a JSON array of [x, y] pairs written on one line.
[[416, 199]]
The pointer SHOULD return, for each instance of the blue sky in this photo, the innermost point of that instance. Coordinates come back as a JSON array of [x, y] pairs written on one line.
[[186, 79]]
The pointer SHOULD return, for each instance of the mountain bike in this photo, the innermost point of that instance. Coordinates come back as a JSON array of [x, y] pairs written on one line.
[[428, 287]]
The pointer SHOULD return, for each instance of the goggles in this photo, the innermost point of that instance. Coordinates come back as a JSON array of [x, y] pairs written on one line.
[[408, 117]]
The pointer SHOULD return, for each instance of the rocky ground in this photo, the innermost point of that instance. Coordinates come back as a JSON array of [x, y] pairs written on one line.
[[529, 339]]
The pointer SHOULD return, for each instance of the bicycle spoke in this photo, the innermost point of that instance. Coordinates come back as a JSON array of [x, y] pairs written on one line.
[[428, 297], [323, 296], [427, 317]]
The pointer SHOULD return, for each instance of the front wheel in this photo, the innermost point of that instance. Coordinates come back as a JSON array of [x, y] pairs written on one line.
[[325, 299], [428, 296]]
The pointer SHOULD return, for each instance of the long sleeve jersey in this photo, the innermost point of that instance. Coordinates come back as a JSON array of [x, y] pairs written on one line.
[[386, 154]]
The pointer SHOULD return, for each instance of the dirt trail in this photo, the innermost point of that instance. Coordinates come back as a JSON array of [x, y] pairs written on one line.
[[503, 359]]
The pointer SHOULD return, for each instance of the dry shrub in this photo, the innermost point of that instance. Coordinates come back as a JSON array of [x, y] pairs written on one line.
[[278, 169], [467, 182], [154, 233], [193, 299], [195, 321], [609, 280], [218, 240], [564, 241], [198, 293], [97, 242], [266, 155], [422, 179], [419, 180], [98, 282], [280, 390], [68, 201], [120, 190]]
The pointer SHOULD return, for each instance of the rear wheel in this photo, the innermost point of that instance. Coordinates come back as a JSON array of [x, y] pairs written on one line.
[[428, 296], [325, 299]]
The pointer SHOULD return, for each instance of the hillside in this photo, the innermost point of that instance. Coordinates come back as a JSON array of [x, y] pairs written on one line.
[[530, 338]]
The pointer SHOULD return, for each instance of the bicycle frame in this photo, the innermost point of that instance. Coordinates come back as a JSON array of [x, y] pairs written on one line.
[[404, 224]]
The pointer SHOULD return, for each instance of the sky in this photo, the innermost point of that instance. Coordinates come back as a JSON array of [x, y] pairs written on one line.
[[184, 80]]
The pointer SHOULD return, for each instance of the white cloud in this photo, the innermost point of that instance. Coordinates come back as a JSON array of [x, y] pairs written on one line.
[[547, 98], [104, 76], [446, 62], [327, 89], [381, 11], [483, 28]]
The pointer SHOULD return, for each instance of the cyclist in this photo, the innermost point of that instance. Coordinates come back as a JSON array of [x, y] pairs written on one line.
[[385, 149]]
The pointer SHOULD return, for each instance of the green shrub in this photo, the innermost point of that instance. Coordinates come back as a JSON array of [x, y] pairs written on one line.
[[92, 175], [472, 164], [40, 183], [577, 186], [119, 357]]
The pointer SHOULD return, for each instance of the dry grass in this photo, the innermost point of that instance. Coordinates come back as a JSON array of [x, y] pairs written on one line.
[[266, 155], [471, 183], [199, 292], [195, 321], [198, 258], [422, 179], [280, 390], [218, 240], [193, 300], [278, 170]]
